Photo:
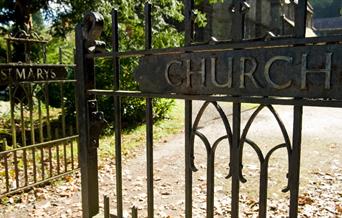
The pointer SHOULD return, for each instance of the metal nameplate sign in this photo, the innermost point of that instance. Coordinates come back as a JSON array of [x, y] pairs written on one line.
[[303, 71], [29, 73]]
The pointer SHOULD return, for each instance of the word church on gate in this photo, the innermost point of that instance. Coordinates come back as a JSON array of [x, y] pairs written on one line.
[[285, 71], [248, 68]]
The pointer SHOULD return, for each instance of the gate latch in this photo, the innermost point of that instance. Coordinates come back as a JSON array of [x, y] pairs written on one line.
[[96, 123]]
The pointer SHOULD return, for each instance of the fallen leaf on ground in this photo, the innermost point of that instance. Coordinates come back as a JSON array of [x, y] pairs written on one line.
[[303, 200]]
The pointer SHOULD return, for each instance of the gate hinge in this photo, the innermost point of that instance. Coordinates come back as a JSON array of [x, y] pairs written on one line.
[[96, 123]]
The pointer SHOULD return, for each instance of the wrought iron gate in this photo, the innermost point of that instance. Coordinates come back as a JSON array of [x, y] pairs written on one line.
[[294, 71], [39, 142]]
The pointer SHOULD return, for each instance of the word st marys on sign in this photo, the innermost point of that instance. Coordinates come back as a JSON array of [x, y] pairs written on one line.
[[308, 71], [30, 73]]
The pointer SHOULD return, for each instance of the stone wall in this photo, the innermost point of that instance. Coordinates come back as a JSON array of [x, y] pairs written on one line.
[[276, 16]]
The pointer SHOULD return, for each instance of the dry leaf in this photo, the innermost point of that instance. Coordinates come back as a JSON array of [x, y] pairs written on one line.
[[303, 200], [339, 209]]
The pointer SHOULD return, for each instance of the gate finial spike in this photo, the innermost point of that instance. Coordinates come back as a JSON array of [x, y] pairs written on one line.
[[92, 26], [240, 7]]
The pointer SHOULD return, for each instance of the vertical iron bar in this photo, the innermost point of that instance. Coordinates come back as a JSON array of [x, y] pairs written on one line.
[[118, 158], [25, 166], [115, 47], [210, 183], [72, 149], [148, 26], [149, 119], [63, 109], [41, 138], [47, 103], [87, 153], [189, 24], [6, 173], [295, 160], [23, 133], [188, 170], [57, 152], [117, 110], [16, 170], [134, 212], [300, 18], [237, 35], [50, 161], [65, 157], [34, 165], [258, 18], [33, 139], [42, 162], [188, 6], [23, 139], [300, 30], [235, 157], [106, 206], [149, 154], [238, 23], [48, 126], [63, 125], [13, 129], [263, 190], [40, 120]]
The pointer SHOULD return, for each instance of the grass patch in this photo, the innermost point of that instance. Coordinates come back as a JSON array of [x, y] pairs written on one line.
[[162, 129]]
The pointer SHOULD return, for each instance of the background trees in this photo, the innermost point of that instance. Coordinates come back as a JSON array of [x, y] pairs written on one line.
[[57, 18]]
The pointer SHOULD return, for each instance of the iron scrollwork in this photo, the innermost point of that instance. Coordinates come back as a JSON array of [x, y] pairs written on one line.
[[211, 149], [264, 160]]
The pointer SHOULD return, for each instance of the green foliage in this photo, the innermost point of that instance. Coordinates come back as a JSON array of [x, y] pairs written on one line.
[[66, 45], [2, 50], [200, 19], [131, 27], [131, 18], [38, 21], [167, 20]]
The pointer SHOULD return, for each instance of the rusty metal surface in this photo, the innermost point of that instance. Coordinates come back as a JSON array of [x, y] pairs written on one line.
[[303, 71], [267, 71], [37, 146], [14, 73]]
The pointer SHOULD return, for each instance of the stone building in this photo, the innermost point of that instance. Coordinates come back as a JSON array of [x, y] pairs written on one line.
[[264, 17]]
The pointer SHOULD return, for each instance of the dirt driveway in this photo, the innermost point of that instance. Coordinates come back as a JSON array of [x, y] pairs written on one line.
[[321, 172]]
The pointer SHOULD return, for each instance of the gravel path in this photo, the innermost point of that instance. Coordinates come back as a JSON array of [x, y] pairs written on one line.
[[321, 174]]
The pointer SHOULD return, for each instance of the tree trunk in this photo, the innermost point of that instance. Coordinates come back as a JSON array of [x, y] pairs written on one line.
[[22, 29]]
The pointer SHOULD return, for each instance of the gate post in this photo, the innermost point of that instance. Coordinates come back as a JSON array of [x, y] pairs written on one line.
[[86, 107]]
